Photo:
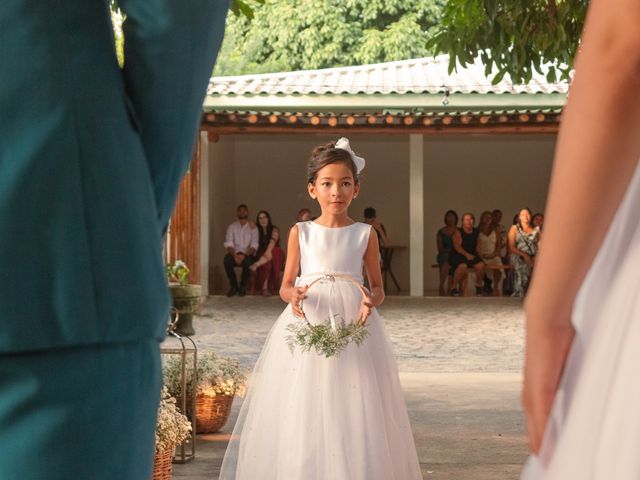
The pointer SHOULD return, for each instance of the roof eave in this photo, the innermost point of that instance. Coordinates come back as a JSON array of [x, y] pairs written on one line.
[[457, 102]]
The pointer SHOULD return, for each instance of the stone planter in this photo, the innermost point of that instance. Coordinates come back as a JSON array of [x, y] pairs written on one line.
[[187, 301]]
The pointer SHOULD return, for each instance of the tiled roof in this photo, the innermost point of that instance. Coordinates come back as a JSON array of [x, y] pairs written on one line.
[[418, 76]]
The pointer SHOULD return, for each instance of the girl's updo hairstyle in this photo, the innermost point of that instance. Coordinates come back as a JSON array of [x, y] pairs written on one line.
[[327, 154]]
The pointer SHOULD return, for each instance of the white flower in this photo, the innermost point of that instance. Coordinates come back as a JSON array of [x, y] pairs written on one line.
[[172, 427]]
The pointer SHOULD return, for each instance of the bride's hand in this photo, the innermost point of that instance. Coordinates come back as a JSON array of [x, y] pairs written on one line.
[[546, 351], [365, 310], [297, 296]]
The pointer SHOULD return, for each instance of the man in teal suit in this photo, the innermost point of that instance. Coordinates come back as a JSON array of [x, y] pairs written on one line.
[[91, 158]]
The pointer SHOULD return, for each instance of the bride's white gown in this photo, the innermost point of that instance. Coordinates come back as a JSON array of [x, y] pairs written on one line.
[[594, 428], [307, 417]]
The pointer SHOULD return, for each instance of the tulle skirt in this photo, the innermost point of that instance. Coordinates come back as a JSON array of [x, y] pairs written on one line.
[[308, 417], [594, 428]]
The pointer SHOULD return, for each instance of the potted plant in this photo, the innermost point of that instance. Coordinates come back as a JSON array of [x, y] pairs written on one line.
[[172, 428], [219, 380], [186, 297]]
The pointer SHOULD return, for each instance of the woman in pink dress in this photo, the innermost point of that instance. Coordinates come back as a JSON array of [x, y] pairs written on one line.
[[270, 256]]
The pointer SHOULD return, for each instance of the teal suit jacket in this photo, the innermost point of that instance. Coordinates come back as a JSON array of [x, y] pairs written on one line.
[[91, 157]]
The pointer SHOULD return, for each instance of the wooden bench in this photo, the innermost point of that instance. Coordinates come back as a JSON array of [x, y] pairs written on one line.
[[465, 281]]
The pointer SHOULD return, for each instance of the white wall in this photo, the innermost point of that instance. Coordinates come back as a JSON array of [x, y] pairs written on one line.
[[222, 172], [466, 173]]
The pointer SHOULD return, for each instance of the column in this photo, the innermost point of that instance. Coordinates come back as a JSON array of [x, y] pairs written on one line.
[[204, 212], [416, 215]]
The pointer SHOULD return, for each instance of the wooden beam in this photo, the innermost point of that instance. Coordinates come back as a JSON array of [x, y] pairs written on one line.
[[398, 129]]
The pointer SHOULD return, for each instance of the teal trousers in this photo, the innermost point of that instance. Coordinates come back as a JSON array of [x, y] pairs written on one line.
[[86, 413]]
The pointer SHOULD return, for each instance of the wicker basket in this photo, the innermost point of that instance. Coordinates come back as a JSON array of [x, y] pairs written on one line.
[[211, 412], [162, 465]]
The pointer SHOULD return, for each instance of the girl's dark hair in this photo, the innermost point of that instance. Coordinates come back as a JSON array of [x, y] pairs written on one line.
[[327, 154], [518, 222], [450, 212], [264, 237]]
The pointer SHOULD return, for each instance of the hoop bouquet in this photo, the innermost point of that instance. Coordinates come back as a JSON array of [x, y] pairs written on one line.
[[333, 335]]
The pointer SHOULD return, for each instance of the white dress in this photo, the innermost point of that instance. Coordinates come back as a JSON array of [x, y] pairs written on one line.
[[486, 246], [594, 427], [307, 417]]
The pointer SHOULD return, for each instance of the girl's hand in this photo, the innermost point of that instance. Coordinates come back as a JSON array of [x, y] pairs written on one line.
[[365, 310], [527, 259], [469, 257], [297, 296]]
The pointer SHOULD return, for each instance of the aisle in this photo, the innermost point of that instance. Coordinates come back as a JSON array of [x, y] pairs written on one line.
[[459, 360]]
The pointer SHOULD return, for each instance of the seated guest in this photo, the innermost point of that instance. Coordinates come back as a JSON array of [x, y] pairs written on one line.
[[489, 246], [465, 255], [538, 220], [523, 246], [304, 215], [270, 256], [241, 243], [444, 240], [497, 222], [370, 218]]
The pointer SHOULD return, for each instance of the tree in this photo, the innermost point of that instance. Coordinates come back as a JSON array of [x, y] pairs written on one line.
[[286, 35], [515, 36]]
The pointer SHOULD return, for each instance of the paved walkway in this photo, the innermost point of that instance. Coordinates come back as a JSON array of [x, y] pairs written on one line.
[[459, 362]]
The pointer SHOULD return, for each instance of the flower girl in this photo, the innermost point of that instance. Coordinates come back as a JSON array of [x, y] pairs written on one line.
[[324, 401]]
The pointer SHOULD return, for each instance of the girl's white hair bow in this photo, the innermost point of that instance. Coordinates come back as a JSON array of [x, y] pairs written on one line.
[[343, 143]]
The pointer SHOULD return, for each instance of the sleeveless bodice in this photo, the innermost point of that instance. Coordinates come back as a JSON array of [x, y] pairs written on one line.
[[487, 243], [447, 241], [470, 240], [527, 242], [332, 250]]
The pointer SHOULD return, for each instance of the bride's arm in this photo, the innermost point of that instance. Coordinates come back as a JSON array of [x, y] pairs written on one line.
[[597, 152]]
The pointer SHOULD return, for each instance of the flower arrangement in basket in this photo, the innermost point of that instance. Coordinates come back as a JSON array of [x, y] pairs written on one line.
[[172, 428], [330, 337], [219, 380]]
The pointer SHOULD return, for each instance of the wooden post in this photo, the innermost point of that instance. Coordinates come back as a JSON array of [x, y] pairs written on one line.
[[183, 237]]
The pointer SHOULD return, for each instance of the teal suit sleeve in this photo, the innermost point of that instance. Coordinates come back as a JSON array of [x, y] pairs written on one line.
[[170, 49]]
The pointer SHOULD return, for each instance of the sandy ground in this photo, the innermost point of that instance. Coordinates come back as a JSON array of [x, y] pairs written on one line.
[[459, 362]]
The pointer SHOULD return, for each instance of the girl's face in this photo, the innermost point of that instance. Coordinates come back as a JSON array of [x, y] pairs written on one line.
[[525, 217], [468, 221], [487, 219], [334, 188], [263, 220]]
